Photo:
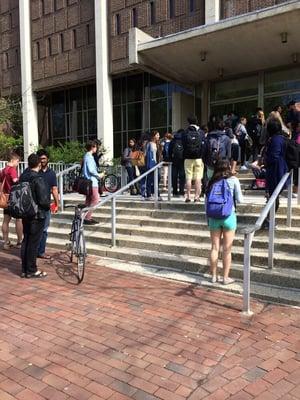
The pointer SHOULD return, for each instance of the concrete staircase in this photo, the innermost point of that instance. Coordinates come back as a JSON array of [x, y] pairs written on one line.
[[174, 238]]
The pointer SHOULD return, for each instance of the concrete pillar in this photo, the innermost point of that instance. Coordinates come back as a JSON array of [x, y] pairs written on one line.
[[29, 106], [182, 105], [103, 79], [212, 11]]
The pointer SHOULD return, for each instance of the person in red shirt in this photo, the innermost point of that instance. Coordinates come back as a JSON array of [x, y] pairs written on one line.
[[9, 175]]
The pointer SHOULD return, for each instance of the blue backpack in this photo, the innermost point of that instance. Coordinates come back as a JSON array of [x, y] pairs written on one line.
[[219, 201]]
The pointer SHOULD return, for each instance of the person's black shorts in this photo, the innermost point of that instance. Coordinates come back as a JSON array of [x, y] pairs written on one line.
[[6, 211], [235, 151]]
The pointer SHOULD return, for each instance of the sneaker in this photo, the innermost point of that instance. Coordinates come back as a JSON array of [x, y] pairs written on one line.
[[187, 200], [228, 281], [197, 200], [18, 245], [243, 168], [7, 246], [149, 198], [214, 279]]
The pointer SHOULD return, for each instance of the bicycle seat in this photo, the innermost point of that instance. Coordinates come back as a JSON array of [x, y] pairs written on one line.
[[81, 206]]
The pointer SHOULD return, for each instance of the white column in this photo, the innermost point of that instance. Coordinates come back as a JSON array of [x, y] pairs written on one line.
[[103, 79], [212, 11], [29, 106], [205, 107]]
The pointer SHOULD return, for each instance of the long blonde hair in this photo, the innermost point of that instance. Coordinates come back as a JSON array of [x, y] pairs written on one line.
[[276, 115]]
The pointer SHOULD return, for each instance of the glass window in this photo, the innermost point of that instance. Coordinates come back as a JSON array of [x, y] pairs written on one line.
[[135, 116], [76, 99], [117, 91], [282, 80], [91, 96], [158, 112], [271, 102], [92, 124], [135, 88], [58, 123], [58, 102], [117, 118], [158, 87], [241, 87]]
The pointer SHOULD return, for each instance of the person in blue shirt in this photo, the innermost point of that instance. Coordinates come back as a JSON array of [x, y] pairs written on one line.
[[89, 171], [49, 177]]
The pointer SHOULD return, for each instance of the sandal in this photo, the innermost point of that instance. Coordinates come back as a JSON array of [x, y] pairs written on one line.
[[37, 274]]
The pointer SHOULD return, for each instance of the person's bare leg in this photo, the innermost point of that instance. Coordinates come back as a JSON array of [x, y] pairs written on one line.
[[228, 237], [165, 176], [214, 253], [233, 166], [5, 228], [188, 188], [19, 230], [197, 188]]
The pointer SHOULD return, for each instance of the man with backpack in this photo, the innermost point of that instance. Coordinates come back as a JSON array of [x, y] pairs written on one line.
[[50, 178], [176, 157], [193, 144], [217, 145], [30, 200]]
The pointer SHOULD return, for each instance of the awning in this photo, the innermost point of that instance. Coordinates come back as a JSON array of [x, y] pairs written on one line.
[[256, 41]]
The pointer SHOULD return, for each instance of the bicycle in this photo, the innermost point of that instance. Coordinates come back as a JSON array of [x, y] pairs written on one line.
[[77, 245], [108, 183]]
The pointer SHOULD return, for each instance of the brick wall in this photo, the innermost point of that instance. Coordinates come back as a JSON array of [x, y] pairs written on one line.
[[63, 42], [231, 8], [10, 71], [164, 25]]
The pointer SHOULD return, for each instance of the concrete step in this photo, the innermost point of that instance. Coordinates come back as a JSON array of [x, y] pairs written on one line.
[[183, 250], [192, 216], [270, 293], [164, 263], [183, 234]]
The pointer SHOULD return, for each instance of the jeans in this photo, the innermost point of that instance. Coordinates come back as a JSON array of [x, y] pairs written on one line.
[[42, 246], [150, 184], [32, 231], [92, 200], [178, 173], [143, 181]]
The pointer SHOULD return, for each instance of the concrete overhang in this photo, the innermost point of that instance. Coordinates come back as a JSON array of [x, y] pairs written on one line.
[[233, 46]]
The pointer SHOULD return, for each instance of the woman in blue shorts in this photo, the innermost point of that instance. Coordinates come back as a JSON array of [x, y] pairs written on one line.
[[223, 228]]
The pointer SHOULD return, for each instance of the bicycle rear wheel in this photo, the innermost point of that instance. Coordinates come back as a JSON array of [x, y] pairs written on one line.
[[81, 257], [111, 183]]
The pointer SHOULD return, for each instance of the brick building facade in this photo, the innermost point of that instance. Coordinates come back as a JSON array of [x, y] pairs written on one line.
[[64, 63]]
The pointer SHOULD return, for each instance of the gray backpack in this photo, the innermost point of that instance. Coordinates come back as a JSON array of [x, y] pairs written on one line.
[[21, 203]]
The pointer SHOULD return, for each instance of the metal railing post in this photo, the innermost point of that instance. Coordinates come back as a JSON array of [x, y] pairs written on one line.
[[61, 192], [169, 181], [298, 197], [113, 221], [289, 202], [247, 270], [156, 186], [271, 236]]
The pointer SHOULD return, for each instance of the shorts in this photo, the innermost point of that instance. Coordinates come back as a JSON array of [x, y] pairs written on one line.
[[228, 224], [6, 211], [193, 168]]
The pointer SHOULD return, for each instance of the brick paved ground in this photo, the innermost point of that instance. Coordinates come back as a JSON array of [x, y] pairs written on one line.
[[121, 336]]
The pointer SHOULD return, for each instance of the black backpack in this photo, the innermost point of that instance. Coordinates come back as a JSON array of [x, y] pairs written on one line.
[[292, 154], [21, 203], [192, 143], [177, 151]]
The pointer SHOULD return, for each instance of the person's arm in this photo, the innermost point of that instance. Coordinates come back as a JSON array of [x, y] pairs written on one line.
[[228, 149], [126, 154], [238, 195], [91, 167]]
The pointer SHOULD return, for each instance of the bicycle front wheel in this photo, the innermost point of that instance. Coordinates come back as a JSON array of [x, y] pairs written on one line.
[[81, 257], [111, 183]]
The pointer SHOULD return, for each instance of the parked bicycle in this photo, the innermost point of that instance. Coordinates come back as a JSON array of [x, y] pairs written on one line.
[[77, 245], [109, 183]]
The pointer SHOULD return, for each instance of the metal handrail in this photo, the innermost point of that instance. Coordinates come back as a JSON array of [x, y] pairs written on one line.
[[249, 232], [60, 177], [112, 197]]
